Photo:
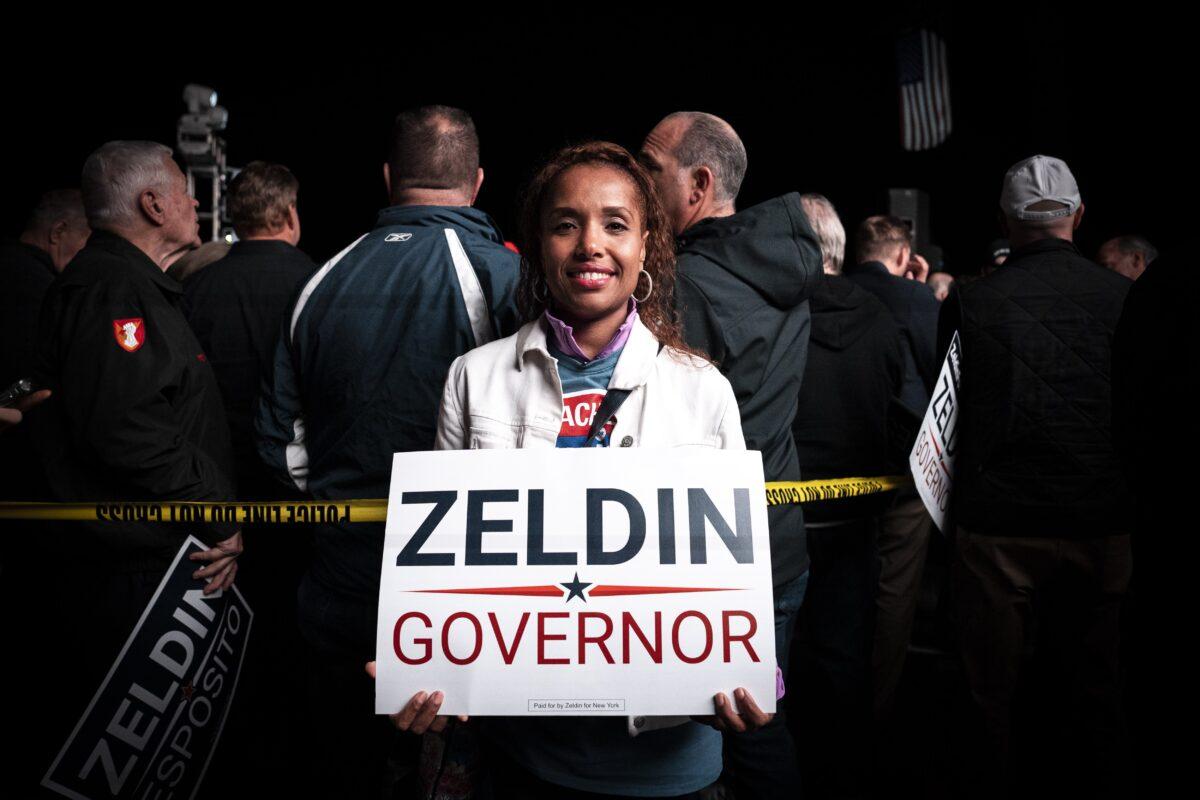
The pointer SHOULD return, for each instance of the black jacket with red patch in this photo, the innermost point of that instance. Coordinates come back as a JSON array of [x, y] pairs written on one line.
[[135, 412]]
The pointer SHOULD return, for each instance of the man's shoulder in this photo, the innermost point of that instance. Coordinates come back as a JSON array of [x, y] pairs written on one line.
[[239, 269], [695, 272], [103, 272], [922, 297]]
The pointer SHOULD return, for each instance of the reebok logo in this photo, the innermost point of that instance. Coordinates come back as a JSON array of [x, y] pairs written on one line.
[[397, 237]]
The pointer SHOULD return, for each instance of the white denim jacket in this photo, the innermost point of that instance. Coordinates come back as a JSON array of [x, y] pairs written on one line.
[[507, 394]]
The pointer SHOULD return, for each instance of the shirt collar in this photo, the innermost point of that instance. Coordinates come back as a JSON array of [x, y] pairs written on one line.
[[563, 335], [634, 365], [135, 258]]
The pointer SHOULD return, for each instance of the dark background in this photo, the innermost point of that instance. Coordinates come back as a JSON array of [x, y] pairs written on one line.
[[813, 95]]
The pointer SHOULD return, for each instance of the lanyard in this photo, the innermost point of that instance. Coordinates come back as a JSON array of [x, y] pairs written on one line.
[[608, 409]]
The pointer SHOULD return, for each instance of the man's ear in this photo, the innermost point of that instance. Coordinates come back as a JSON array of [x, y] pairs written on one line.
[[56, 232], [152, 206], [387, 179], [702, 184], [478, 184], [1078, 218]]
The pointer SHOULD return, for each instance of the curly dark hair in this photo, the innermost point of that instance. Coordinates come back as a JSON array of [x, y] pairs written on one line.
[[658, 312]]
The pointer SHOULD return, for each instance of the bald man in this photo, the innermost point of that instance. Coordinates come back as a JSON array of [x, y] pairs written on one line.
[[744, 279]]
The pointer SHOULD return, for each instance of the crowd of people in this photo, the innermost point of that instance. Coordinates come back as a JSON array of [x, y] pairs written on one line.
[[643, 294]]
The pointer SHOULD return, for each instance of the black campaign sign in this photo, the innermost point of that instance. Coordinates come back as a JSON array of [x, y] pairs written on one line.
[[153, 725]]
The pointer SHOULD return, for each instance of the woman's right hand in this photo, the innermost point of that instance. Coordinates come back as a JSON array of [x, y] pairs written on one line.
[[420, 713]]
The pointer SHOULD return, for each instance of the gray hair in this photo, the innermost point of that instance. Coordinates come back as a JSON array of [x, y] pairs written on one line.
[[115, 176], [712, 142], [826, 224], [56, 206], [1132, 245]]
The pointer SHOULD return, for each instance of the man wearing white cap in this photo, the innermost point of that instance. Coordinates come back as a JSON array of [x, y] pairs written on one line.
[[1043, 513]]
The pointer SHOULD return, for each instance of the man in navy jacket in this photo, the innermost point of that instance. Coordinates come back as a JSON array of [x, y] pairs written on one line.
[[358, 376]]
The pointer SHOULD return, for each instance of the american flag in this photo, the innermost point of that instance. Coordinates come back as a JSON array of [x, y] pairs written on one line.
[[924, 90]]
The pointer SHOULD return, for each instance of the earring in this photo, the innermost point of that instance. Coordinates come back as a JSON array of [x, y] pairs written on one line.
[[649, 291]]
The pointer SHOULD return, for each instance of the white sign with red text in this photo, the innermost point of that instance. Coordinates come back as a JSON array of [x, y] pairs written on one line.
[[576, 582], [932, 457]]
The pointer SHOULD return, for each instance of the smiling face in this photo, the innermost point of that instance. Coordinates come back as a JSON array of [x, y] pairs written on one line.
[[593, 243]]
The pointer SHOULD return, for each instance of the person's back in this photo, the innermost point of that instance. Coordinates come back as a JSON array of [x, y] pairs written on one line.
[[1042, 511], [854, 373], [91, 445], [237, 305], [743, 286], [56, 230], [883, 247], [742, 290], [26, 272], [855, 369], [1035, 401], [357, 376], [372, 337]]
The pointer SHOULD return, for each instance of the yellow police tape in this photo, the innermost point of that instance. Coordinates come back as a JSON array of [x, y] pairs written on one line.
[[308, 511]]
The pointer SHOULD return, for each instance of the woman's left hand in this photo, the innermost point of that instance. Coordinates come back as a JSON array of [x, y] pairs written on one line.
[[750, 718]]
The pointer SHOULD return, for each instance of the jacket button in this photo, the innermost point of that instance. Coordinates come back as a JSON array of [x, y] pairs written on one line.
[[627, 441], [639, 722]]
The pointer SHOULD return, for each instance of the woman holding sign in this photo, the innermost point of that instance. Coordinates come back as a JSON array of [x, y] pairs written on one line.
[[600, 362]]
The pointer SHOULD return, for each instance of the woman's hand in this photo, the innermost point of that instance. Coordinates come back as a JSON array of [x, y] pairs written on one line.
[[750, 718], [420, 713]]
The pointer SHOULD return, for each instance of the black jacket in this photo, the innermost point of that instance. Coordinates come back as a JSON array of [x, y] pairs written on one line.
[[743, 288], [1035, 446], [26, 272], [915, 310], [855, 370], [236, 307], [136, 413]]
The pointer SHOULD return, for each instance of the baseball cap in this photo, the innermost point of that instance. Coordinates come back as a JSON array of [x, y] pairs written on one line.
[[1036, 179]]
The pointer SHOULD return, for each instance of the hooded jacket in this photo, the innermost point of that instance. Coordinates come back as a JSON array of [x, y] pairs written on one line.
[[743, 287], [855, 371]]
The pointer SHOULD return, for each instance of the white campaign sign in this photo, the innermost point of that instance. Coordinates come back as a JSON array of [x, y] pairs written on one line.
[[932, 457], [576, 582]]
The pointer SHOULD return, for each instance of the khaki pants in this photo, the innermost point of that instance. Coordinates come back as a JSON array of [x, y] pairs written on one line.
[[902, 541]]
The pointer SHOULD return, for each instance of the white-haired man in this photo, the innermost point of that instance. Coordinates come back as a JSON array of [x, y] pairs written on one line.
[[135, 411]]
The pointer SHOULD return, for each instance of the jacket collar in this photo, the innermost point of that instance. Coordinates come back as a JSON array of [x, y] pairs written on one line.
[[33, 252], [633, 367], [133, 257], [866, 268], [1047, 245], [467, 218]]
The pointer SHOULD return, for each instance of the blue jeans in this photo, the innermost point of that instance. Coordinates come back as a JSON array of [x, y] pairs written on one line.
[[762, 764]]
